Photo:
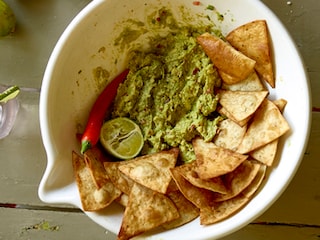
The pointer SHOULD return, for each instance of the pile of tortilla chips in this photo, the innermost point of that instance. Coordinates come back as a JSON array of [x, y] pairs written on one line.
[[156, 192]]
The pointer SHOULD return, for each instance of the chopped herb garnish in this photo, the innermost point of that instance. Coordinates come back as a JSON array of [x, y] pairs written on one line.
[[210, 7]]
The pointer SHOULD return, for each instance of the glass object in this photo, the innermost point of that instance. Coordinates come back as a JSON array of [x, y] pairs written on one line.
[[8, 114]]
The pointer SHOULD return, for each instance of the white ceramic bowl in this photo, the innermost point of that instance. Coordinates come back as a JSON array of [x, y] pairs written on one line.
[[67, 95]]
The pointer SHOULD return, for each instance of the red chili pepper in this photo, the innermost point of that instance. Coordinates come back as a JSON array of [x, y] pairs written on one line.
[[91, 134]]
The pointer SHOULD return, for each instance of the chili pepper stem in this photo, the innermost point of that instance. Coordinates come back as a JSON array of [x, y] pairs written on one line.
[[85, 145]]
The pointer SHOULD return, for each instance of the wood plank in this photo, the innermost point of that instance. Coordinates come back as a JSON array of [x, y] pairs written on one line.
[[20, 224], [300, 203], [39, 225], [22, 159], [301, 18], [24, 55], [275, 232], [315, 87]]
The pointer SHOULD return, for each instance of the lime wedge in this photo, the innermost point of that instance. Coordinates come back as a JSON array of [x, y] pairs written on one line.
[[7, 19], [9, 93], [122, 138]]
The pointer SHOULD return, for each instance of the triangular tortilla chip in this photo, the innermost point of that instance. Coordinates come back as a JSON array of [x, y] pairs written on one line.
[[267, 153], [251, 83], [186, 209], [92, 198], [227, 59], [229, 134], [213, 161], [152, 170], [267, 125], [120, 180], [280, 103], [237, 180], [146, 209], [252, 39], [222, 210], [188, 171], [225, 209], [223, 111], [200, 197], [241, 105], [255, 184], [172, 187], [228, 79], [93, 159]]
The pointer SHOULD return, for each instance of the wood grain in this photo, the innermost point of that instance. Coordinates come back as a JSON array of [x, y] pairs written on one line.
[[295, 215]]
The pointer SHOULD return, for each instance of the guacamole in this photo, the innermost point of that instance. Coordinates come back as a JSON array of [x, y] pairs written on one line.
[[169, 91]]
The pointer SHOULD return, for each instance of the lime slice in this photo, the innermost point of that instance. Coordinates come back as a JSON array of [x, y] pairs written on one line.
[[9, 93], [122, 138]]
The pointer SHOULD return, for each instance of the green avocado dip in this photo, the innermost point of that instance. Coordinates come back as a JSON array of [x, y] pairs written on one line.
[[169, 91]]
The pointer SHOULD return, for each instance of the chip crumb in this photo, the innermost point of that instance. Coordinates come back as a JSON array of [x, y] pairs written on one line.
[[289, 3]]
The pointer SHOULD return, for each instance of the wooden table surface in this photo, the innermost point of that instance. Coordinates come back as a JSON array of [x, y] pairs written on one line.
[[23, 58]]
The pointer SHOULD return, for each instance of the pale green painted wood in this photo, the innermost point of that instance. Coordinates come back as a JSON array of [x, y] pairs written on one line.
[[40, 225], [23, 159], [24, 55], [20, 224]]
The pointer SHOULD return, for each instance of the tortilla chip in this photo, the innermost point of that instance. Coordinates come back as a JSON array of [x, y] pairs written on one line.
[[188, 171], [255, 184], [145, 211], [252, 39], [281, 104], [93, 159], [213, 161], [92, 198], [223, 111], [200, 197], [267, 153], [225, 209], [123, 199], [172, 187], [251, 83], [228, 79], [267, 125], [227, 59], [186, 209], [229, 134], [120, 180], [241, 105], [152, 170], [237, 180], [222, 210]]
